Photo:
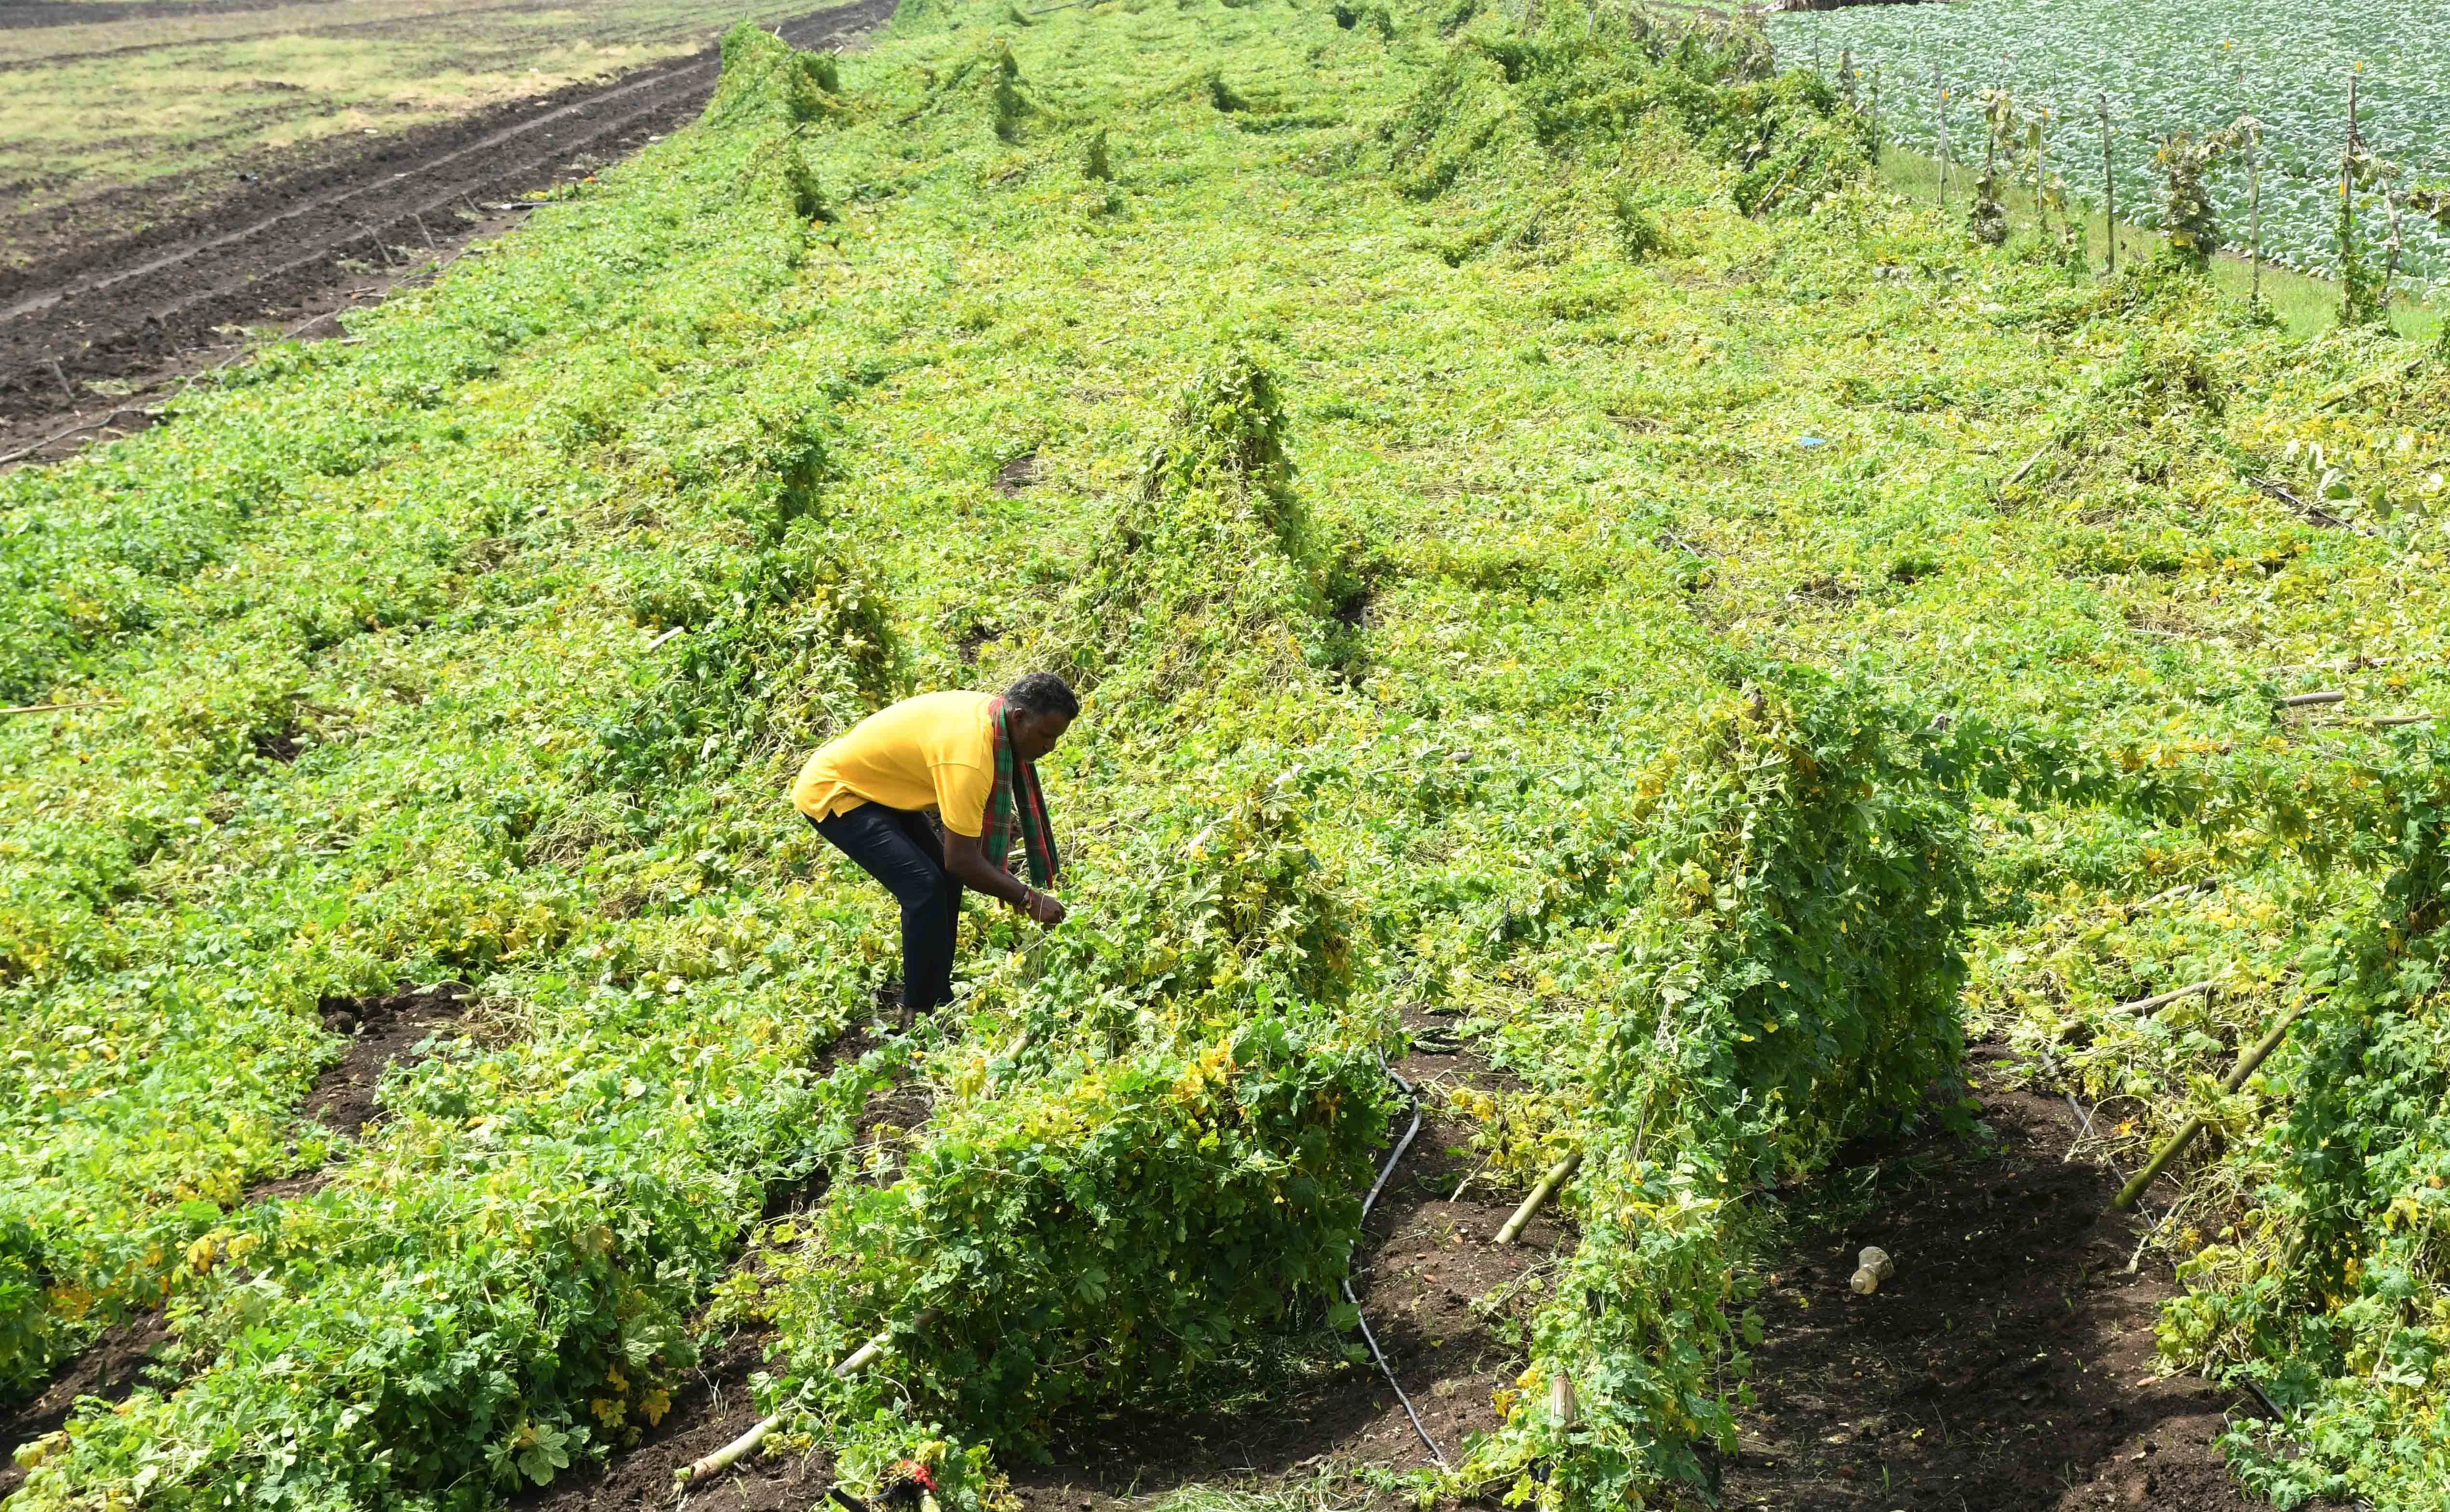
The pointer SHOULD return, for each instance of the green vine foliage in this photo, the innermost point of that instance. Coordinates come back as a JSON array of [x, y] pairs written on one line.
[[2188, 217], [482, 648], [2337, 1308], [1101, 1230], [1786, 914]]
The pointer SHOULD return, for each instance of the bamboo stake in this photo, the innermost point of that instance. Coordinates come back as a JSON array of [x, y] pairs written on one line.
[[2108, 180], [45, 708], [2163, 999], [2133, 1192], [731, 1454], [2253, 191], [1940, 102], [1557, 1177]]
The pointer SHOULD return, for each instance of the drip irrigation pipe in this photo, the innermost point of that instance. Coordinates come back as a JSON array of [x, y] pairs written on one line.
[[1367, 1203]]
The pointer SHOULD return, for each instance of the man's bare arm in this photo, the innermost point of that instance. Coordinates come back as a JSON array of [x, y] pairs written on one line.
[[965, 857]]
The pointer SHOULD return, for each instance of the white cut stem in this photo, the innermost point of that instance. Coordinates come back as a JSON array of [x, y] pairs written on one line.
[[1548, 1184]]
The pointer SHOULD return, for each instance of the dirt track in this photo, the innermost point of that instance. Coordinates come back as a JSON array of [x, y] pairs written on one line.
[[137, 302]]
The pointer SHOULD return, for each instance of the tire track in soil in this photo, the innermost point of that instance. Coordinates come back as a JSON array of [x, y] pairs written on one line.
[[25, 15], [144, 307]]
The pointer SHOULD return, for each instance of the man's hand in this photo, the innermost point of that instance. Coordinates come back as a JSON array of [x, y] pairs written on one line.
[[965, 857]]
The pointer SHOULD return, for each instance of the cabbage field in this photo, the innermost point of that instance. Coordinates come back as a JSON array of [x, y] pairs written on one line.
[[1539, 532], [2169, 66]]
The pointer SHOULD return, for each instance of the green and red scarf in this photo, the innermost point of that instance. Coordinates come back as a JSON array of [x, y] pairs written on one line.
[[1015, 806]]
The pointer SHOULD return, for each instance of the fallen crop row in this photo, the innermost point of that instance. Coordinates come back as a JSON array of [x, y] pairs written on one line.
[[1539, 536]]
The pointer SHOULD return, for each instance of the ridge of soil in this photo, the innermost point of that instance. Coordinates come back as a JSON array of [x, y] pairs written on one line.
[[137, 298]]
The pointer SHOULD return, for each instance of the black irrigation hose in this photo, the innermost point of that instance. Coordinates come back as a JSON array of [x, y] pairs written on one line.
[[1367, 1203]]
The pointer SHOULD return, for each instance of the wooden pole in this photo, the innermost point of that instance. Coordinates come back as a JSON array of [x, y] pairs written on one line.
[[2145, 1005], [1556, 1177], [2133, 1192], [2253, 190], [2347, 181], [731, 1454], [2108, 182], [2254, 208], [1939, 92], [2041, 172]]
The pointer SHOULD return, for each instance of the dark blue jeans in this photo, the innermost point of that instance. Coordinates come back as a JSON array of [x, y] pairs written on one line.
[[905, 852]]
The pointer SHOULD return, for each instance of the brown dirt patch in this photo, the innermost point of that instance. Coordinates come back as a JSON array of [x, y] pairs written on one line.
[[382, 1030], [714, 1404], [120, 290], [1018, 476], [1447, 1307], [111, 1368], [2010, 1362]]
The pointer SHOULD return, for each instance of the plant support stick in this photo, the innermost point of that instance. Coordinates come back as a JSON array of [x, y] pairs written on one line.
[[2133, 1192], [2109, 182], [1941, 91], [1556, 1177], [731, 1454]]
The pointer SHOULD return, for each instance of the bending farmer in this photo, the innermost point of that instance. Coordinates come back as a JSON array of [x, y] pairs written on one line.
[[968, 759]]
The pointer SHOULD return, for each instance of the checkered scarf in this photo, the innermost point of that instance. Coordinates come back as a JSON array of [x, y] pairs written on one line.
[[1015, 806]]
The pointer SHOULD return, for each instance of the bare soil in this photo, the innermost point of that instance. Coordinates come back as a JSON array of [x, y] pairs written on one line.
[[112, 1368], [383, 1031], [715, 1404], [2009, 1363], [119, 291]]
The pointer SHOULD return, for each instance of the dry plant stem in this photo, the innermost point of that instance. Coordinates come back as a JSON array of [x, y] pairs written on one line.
[[1557, 1177], [2132, 1192], [2312, 512], [2164, 1000], [731, 1454], [46, 708], [2310, 700]]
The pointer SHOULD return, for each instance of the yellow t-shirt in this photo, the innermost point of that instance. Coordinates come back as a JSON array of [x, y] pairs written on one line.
[[934, 751]]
